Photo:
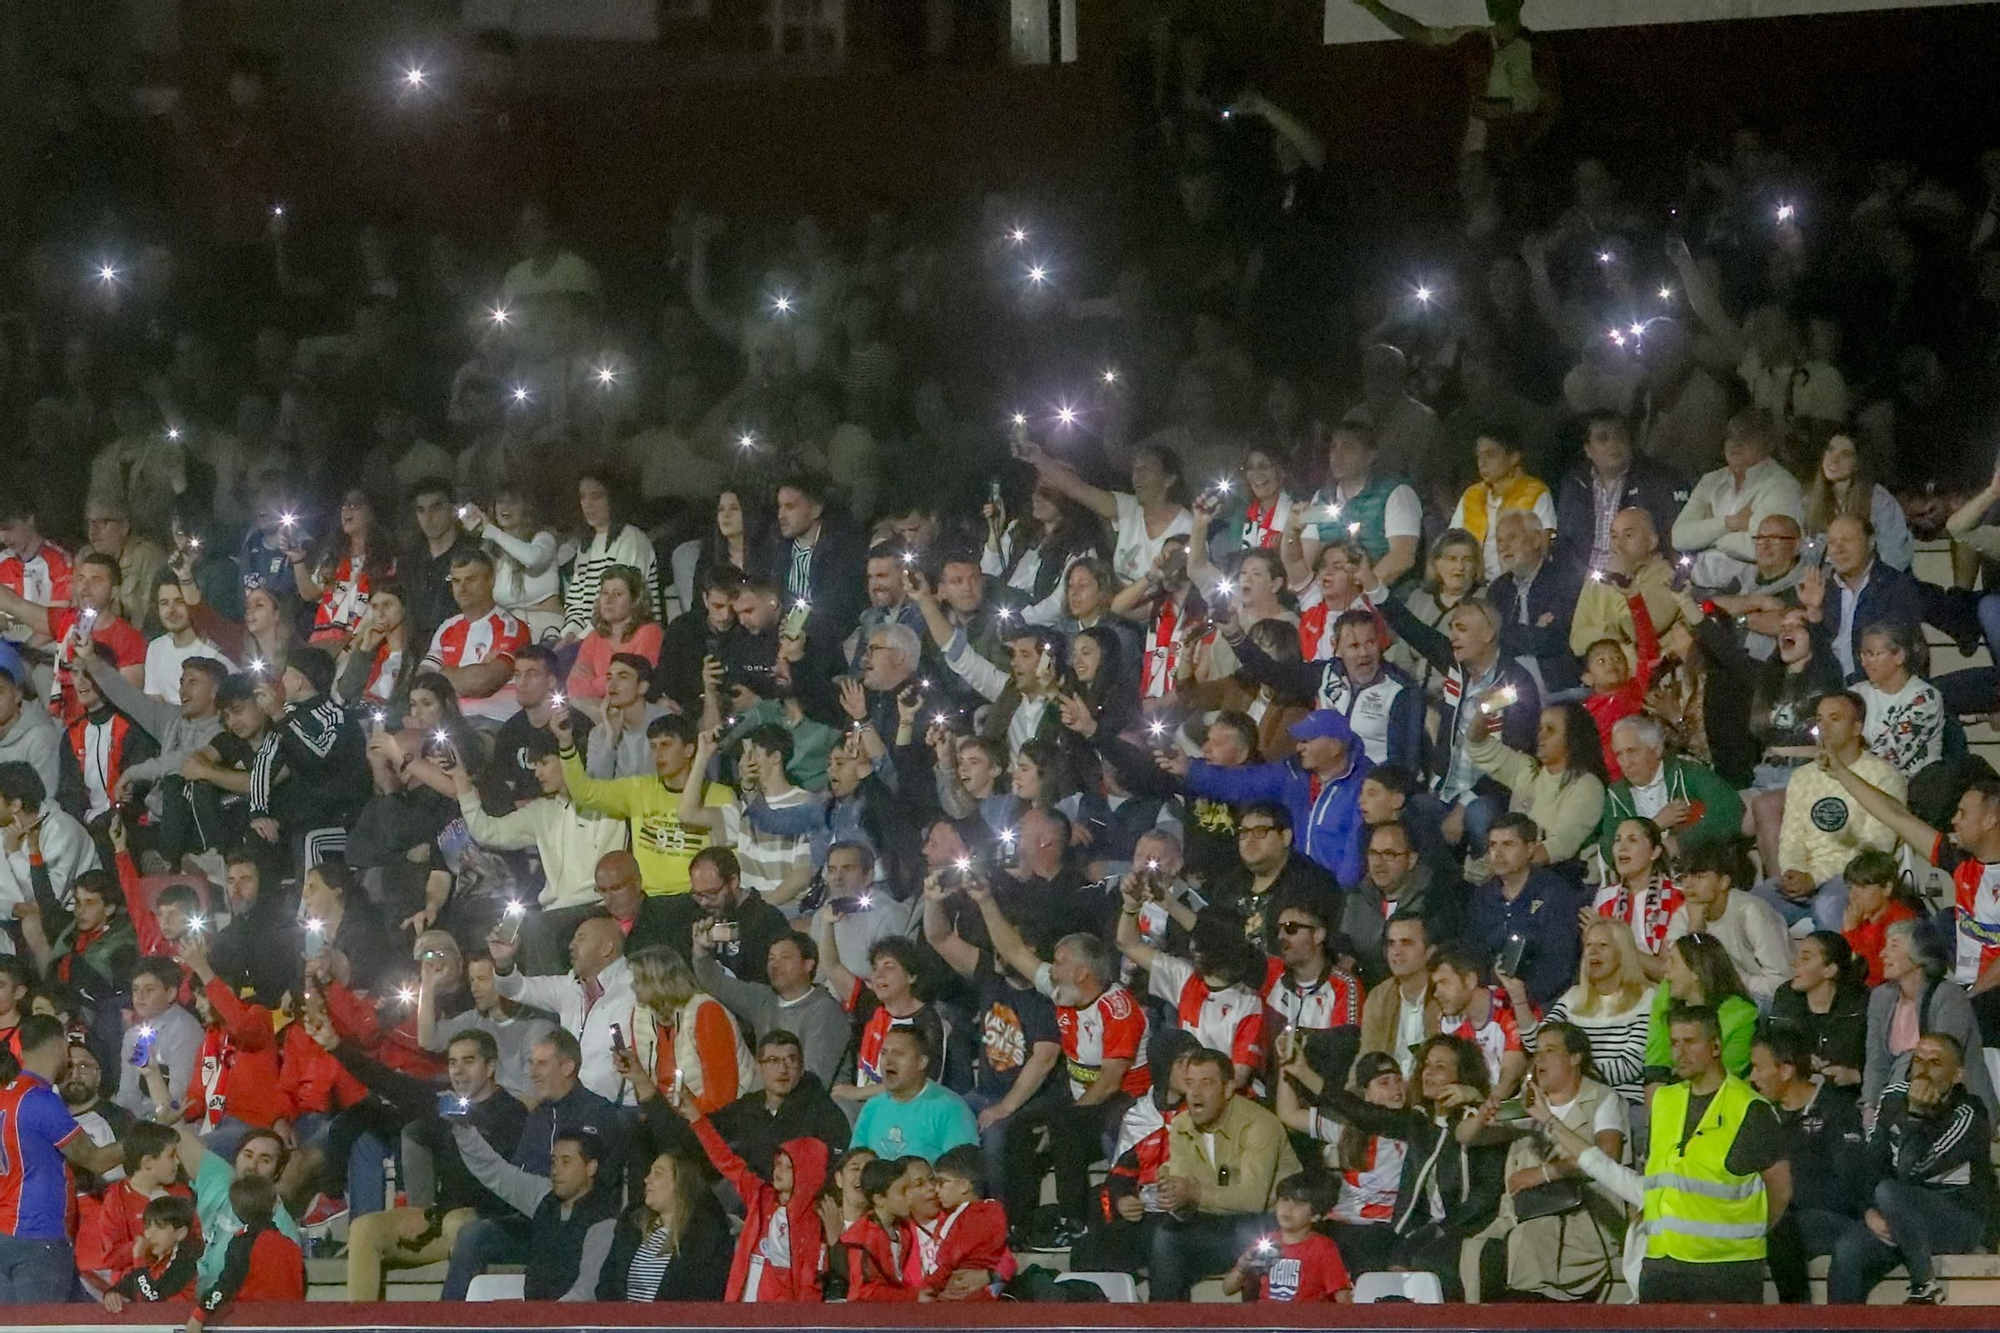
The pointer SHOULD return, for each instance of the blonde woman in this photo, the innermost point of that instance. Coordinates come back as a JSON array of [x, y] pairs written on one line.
[[675, 1245], [685, 1035], [1612, 1005]]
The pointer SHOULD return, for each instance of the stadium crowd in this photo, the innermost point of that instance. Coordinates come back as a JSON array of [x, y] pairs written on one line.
[[1308, 772]]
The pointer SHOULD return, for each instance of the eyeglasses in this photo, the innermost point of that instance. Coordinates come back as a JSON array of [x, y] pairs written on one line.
[[1293, 927], [1255, 830]]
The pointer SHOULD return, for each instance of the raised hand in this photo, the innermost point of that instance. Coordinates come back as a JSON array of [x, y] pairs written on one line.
[[853, 699]]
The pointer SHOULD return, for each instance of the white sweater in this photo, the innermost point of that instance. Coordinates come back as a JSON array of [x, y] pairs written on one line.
[[1754, 937]]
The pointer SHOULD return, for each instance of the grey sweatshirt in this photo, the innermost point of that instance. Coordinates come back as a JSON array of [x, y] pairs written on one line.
[[34, 739], [179, 735], [815, 1018]]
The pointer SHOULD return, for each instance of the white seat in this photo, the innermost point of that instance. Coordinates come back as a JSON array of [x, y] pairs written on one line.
[[496, 1287], [1118, 1288], [1422, 1288]]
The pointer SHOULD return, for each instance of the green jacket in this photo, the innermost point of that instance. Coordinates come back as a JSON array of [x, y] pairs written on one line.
[[812, 742], [1739, 1025], [1719, 809]]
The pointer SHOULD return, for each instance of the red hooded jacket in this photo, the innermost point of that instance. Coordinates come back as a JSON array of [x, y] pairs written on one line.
[[972, 1236], [760, 1202], [239, 1064], [875, 1261]]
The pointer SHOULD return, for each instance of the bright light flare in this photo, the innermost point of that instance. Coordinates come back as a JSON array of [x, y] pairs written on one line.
[[1786, 212], [1424, 294], [1066, 414], [1017, 235], [414, 76], [519, 393], [781, 304], [1038, 274], [500, 315], [1110, 375], [606, 376]]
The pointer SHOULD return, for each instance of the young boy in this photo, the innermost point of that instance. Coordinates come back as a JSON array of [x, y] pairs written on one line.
[[1618, 683], [1296, 1264], [262, 1262], [971, 1232], [164, 1258], [107, 1229], [779, 1251], [876, 1243]]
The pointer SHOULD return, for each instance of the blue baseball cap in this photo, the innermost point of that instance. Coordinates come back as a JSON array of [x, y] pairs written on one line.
[[1323, 723]]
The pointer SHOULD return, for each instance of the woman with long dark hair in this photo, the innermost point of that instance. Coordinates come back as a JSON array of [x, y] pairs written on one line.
[[1699, 972], [605, 539], [1031, 554], [1827, 1004], [354, 557], [1640, 893], [673, 1245], [1561, 787], [1450, 1190]]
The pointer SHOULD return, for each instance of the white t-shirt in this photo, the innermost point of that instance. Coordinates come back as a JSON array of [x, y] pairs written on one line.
[[1610, 1117], [164, 659], [1134, 549]]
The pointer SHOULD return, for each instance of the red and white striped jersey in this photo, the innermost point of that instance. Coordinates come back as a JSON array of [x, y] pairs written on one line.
[[1976, 886], [1369, 1194], [462, 642], [1230, 1019], [43, 578], [1111, 1027], [1495, 1037], [1334, 1001]]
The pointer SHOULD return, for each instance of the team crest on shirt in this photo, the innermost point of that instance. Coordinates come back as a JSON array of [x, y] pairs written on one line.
[[1285, 1280], [1118, 1002], [1829, 814]]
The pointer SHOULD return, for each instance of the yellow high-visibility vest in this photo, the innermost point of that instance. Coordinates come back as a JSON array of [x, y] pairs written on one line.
[[1697, 1210]]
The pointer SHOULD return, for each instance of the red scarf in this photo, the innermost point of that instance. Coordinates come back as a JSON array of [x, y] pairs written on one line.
[[218, 1053], [1651, 913], [1260, 530], [1165, 653]]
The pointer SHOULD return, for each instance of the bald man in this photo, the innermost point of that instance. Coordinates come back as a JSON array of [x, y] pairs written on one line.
[[595, 994], [1636, 569], [643, 919]]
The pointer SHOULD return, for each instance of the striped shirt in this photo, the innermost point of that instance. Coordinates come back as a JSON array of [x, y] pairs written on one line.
[[628, 547], [1617, 1039], [649, 1265], [766, 858]]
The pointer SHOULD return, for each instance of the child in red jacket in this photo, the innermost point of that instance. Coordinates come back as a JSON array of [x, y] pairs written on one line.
[[783, 1242], [877, 1243], [1297, 1263], [109, 1229], [1618, 684], [262, 1263], [971, 1232], [164, 1257]]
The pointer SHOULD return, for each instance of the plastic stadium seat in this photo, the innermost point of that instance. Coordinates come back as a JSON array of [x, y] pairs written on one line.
[[1118, 1288], [498, 1287], [1421, 1288]]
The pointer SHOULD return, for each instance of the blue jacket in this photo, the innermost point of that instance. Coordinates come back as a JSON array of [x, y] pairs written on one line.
[[1553, 593], [1891, 595], [1545, 916], [1328, 829]]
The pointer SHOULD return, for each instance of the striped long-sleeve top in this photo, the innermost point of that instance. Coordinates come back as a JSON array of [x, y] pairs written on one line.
[[1617, 1039], [628, 546]]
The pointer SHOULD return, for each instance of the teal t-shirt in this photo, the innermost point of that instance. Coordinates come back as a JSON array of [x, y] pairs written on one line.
[[930, 1124], [219, 1222]]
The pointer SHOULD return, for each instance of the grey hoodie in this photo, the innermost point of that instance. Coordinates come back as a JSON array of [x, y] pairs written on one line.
[[33, 739], [179, 735]]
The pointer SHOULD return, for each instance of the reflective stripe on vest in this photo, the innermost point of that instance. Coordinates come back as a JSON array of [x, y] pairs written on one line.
[[1696, 1209]]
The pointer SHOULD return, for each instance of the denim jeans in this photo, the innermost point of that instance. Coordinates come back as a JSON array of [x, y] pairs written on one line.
[[1922, 1223], [481, 1243], [35, 1272], [1827, 906]]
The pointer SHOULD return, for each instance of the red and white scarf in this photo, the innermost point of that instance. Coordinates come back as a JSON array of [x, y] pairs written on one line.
[[218, 1053], [1648, 916], [1164, 653]]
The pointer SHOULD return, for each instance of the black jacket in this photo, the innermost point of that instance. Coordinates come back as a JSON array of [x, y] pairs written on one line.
[[556, 1243], [1651, 486], [1469, 1180], [498, 1119], [755, 1134], [1930, 1151], [260, 949], [697, 1270]]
